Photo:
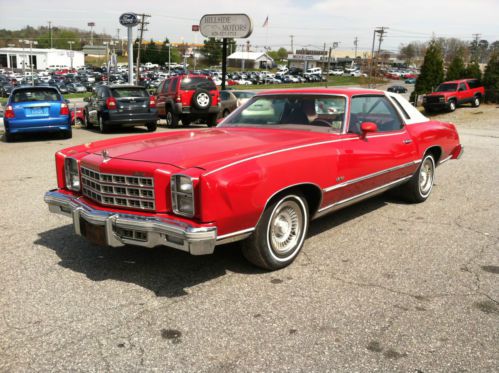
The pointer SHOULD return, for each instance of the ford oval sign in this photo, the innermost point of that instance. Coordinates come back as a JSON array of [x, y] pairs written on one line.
[[129, 19], [226, 26]]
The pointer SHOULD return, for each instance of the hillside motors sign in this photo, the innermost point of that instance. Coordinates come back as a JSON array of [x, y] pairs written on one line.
[[224, 26]]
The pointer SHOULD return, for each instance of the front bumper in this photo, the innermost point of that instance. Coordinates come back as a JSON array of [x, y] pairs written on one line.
[[122, 229]]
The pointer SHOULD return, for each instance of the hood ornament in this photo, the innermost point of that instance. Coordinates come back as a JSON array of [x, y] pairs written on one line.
[[105, 155]]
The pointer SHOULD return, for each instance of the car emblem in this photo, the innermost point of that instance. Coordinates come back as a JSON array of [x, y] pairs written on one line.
[[105, 155]]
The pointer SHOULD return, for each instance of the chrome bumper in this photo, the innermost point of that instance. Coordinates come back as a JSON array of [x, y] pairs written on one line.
[[122, 229]]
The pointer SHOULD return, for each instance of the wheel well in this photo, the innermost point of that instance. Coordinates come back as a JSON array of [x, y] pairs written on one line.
[[436, 151], [311, 192]]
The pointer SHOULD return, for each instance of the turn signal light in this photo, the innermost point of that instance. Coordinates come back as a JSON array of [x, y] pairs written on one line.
[[111, 103], [9, 112]]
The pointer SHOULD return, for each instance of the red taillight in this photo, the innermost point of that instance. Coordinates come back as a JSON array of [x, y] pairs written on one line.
[[64, 109], [9, 112], [152, 102], [111, 103]]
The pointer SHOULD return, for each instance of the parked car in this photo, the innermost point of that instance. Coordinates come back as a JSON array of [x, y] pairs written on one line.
[[242, 96], [410, 81], [6, 90], [35, 110], [228, 103], [77, 116], [188, 98], [121, 106], [276, 163], [397, 89], [449, 95], [76, 88]]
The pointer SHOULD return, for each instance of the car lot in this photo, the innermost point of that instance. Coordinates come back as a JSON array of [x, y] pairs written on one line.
[[382, 286]]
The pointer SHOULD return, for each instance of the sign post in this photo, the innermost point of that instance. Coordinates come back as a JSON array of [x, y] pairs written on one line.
[[224, 26], [130, 20]]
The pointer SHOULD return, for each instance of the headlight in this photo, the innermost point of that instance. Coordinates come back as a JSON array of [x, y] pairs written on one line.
[[182, 195], [72, 174]]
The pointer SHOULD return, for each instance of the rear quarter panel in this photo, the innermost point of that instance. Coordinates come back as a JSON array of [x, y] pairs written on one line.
[[434, 133]]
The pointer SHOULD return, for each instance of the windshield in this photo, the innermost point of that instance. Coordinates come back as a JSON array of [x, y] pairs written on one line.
[[32, 95], [305, 112], [243, 94], [449, 87]]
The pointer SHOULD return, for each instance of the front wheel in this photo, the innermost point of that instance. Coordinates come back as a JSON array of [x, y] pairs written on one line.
[[151, 126], [419, 187], [279, 236], [452, 105], [102, 126]]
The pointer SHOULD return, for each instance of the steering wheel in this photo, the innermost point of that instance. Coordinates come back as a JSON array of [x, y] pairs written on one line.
[[320, 122]]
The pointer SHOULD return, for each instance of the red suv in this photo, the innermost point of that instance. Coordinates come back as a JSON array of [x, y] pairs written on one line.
[[188, 98]]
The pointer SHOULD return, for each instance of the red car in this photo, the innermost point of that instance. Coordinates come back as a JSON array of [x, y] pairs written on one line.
[[274, 164], [449, 95], [77, 116]]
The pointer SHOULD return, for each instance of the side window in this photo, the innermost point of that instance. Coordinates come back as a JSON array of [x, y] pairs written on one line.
[[376, 109], [173, 84], [462, 87], [160, 88]]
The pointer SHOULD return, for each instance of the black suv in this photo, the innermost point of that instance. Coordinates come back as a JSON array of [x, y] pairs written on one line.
[[121, 105]]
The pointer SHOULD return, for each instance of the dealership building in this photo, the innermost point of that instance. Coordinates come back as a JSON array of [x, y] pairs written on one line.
[[18, 58], [250, 60], [307, 59]]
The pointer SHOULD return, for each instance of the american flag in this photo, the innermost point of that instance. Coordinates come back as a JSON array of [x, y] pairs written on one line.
[[266, 23]]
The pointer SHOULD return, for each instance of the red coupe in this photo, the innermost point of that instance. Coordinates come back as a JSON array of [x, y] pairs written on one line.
[[273, 165]]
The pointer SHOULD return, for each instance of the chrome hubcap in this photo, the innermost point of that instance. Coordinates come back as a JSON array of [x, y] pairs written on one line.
[[286, 228], [203, 99], [426, 176], [168, 118]]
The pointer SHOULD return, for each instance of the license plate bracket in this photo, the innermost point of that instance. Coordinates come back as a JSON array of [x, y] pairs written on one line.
[[94, 233]]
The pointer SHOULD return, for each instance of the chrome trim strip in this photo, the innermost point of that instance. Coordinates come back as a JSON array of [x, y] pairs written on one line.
[[234, 236], [157, 230], [362, 178], [276, 152], [364, 194], [445, 160], [224, 236]]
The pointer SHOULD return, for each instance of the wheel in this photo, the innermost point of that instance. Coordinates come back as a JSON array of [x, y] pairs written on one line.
[[452, 105], [225, 113], [86, 122], [201, 99], [476, 101], [212, 121], [171, 119], [102, 126], [67, 134], [419, 187], [279, 236], [9, 137], [151, 127]]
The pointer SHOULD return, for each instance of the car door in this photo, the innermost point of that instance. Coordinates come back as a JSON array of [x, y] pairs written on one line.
[[160, 96], [92, 106], [367, 162], [466, 94]]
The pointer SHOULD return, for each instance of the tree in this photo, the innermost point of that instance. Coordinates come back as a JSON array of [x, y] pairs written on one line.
[[491, 76], [456, 69], [407, 53], [282, 53], [432, 70], [212, 51], [473, 71]]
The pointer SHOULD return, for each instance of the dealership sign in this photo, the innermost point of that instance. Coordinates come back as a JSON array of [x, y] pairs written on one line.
[[129, 19], [226, 26]]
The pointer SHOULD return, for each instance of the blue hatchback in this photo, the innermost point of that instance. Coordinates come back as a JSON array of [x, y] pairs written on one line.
[[36, 109]]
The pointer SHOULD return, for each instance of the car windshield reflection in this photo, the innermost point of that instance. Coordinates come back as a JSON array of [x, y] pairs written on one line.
[[309, 112]]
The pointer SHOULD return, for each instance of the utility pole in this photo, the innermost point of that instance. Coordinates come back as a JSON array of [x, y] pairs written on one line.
[[292, 49], [328, 62], [476, 38], [355, 43], [381, 31], [142, 28], [50, 33]]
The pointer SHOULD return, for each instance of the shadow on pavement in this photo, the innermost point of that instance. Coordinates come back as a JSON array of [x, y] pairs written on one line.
[[168, 272]]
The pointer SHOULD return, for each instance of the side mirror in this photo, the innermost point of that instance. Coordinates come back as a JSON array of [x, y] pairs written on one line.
[[367, 127]]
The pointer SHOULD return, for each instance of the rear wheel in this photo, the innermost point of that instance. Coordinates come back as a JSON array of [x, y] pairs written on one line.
[[212, 121], [103, 128], [419, 187], [9, 137], [225, 113], [67, 134], [279, 236], [86, 123], [476, 101], [151, 127], [171, 119]]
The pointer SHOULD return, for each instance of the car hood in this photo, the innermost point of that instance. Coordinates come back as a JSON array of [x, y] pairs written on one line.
[[441, 94], [205, 149]]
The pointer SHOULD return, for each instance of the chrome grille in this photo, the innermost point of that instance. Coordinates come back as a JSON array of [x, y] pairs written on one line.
[[118, 190]]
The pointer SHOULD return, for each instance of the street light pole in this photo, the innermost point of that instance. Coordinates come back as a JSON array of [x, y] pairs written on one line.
[[71, 52]]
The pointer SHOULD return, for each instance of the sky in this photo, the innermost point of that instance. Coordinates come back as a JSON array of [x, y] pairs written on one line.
[[311, 22]]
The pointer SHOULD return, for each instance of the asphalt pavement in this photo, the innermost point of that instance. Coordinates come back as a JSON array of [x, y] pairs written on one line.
[[381, 286]]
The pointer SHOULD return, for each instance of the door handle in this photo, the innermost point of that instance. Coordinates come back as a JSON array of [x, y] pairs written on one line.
[[407, 141]]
